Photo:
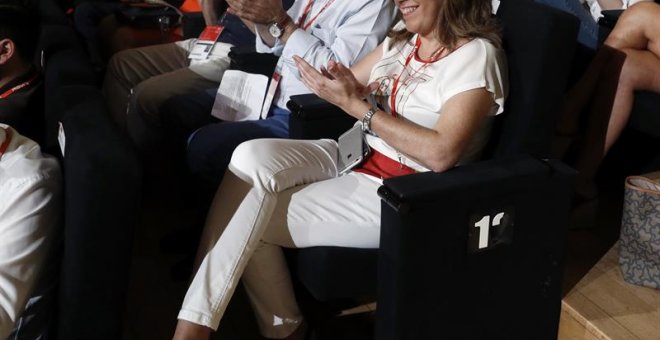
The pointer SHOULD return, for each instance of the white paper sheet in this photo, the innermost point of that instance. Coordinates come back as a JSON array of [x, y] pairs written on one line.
[[240, 96]]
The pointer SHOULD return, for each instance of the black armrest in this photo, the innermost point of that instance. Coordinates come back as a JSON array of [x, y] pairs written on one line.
[[403, 192], [437, 263], [246, 59], [313, 118]]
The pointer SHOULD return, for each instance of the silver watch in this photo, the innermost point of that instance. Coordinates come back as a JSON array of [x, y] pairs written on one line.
[[366, 120], [276, 30]]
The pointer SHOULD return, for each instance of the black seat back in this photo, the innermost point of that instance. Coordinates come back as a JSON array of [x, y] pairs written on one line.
[[437, 277], [538, 45]]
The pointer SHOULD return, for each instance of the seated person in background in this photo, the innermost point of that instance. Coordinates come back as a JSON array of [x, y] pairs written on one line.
[[87, 17], [21, 90], [438, 83], [318, 31], [628, 61], [30, 193], [589, 11], [139, 80]]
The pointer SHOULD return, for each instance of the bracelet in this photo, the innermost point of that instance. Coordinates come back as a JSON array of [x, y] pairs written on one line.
[[366, 120]]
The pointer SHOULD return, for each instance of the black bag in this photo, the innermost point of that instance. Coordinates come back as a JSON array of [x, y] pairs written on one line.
[[146, 15]]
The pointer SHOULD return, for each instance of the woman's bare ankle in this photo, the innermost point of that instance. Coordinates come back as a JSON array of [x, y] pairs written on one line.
[[186, 330]]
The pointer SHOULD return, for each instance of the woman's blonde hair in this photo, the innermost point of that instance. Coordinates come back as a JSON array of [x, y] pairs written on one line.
[[460, 19]]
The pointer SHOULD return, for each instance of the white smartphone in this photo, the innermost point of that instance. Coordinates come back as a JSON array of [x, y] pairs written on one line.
[[352, 149]]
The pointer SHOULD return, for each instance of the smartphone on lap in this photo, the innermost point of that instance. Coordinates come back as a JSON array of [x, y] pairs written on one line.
[[353, 149]]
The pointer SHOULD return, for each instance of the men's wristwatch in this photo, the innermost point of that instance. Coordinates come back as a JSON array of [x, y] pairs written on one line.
[[276, 29]]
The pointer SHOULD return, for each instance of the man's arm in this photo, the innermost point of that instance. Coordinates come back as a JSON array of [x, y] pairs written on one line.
[[257, 15], [210, 10], [29, 213], [363, 29]]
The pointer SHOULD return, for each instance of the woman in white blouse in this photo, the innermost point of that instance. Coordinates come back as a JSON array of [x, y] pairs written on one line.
[[437, 81]]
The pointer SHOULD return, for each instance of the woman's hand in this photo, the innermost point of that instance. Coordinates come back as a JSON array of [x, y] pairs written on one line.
[[257, 11], [337, 85]]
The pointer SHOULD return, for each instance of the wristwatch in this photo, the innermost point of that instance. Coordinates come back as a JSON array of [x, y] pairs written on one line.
[[276, 29], [366, 120]]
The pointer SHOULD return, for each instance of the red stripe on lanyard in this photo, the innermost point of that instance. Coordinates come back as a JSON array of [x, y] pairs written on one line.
[[18, 87], [308, 8], [395, 85], [5, 144]]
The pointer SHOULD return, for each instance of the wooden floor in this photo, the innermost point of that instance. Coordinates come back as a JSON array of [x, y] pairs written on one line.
[[603, 306]]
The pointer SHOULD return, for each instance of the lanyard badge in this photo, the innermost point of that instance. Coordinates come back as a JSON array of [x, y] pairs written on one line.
[[272, 89], [207, 40]]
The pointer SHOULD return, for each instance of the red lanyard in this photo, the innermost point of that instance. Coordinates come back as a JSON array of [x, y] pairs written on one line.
[[5, 144], [18, 87], [308, 8], [395, 85]]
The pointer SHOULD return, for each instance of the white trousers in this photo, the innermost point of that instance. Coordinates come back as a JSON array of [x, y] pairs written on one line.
[[277, 193]]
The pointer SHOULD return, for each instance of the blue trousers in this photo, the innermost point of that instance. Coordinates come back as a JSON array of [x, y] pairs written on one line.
[[588, 32], [210, 147]]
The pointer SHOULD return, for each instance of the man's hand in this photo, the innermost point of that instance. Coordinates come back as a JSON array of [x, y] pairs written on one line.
[[258, 11]]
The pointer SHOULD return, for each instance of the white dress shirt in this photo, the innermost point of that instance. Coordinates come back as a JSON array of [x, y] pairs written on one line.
[[345, 31], [30, 185]]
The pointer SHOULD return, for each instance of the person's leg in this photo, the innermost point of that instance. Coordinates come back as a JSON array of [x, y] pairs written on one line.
[[210, 148], [238, 217], [611, 108], [342, 211], [631, 69], [281, 209], [128, 68], [636, 29], [182, 115], [143, 115]]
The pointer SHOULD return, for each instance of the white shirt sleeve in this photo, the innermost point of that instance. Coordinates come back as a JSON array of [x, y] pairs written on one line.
[[480, 65], [355, 37], [29, 213], [345, 32], [359, 31]]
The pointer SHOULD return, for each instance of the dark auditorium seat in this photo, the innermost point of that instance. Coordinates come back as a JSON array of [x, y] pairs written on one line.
[[102, 189]]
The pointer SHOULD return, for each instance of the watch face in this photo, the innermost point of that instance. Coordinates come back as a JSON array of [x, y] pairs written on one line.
[[275, 31]]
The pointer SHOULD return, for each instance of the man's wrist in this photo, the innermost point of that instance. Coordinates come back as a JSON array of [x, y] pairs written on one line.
[[289, 28], [278, 25]]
